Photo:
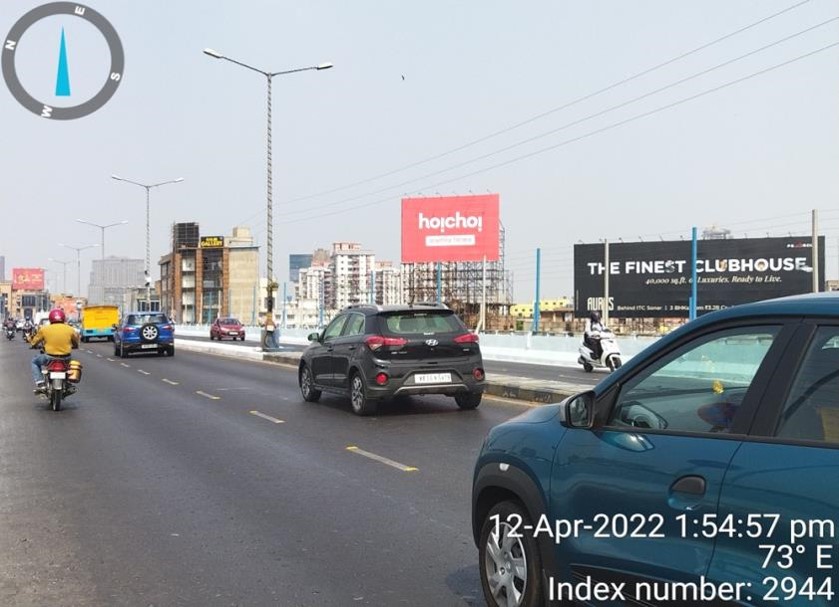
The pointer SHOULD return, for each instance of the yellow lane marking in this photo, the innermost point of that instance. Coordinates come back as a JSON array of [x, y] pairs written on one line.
[[268, 417], [382, 460], [170, 382], [205, 395], [143, 372]]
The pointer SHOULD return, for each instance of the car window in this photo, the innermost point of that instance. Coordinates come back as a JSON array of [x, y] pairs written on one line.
[[355, 325], [142, 319], [811, 411], [424, 323], [697, 388], [334, 328]]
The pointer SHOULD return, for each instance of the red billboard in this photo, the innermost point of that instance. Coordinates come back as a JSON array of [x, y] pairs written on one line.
[[28, 279], [450, 228]]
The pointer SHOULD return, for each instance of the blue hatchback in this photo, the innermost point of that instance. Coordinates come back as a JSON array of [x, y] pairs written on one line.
[[705, 471], [144, 332]]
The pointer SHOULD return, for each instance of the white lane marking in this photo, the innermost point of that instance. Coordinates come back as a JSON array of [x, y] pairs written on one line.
[[205, 395], [143, 372], [89, 351], [383, 460], [98, 356], [170, 382], [111, 359], [268, 417], [125, 364]]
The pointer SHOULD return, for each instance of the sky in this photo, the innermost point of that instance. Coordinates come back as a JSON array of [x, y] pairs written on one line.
[[427, 98]]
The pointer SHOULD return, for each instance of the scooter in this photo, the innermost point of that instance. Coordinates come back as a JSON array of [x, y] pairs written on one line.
[[610, 358]]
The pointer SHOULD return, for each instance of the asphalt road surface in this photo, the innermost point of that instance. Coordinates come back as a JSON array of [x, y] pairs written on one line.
[[200, 480], [530, 371]]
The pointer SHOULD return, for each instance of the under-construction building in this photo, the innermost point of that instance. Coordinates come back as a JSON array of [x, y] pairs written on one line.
[[462, 287]]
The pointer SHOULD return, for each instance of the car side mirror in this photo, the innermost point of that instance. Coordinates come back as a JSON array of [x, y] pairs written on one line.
[[578, 411], [314, 337]]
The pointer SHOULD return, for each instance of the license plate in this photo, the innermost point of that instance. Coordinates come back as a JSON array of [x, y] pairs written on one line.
[[148, 346], [58, 375], [233, 332], [433, 378]]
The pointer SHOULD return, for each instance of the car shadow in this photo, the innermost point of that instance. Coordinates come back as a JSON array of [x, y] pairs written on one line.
[[400, 406]]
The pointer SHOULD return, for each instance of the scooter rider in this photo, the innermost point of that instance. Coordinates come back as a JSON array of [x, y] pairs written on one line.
[[58, 338], [594, 325]]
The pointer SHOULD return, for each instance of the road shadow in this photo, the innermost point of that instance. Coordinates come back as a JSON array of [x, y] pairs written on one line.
[[466, 584], [399, 406]]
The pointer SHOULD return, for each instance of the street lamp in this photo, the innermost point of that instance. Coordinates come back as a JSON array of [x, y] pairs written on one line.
[[78, 251], [148, 187], [270, 243], [103, 228], [64, 279]]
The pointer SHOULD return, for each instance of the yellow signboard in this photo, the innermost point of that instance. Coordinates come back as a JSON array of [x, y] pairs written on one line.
[[211, 242]]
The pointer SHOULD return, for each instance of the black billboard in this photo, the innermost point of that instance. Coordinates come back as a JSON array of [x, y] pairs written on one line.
[[653, 279]]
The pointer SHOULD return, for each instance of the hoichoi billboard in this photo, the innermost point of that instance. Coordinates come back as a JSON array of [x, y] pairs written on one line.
[[450, 228], [28, 279], [653, 279]]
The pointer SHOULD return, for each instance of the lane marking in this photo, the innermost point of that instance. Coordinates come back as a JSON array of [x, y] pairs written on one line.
[[98, 356], [268, 417], [111, 359], [125, 364], [382, 460], [513, 401], [89, 351], [143, 372], [170, 382], [205, 395]]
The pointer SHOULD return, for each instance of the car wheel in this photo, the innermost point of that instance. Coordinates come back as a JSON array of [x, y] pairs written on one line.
[[508, 559], [468, 401], [361, 405], [588, 368], [307, 385]]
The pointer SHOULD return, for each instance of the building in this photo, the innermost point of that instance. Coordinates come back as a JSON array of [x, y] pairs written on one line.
[[205, 277], [352, 269], [389, 285], [315, 284], [110, 279], [2, 268], [296, 262]]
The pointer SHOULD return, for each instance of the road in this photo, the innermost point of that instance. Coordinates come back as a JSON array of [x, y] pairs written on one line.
[[168, 481], [530, 371]]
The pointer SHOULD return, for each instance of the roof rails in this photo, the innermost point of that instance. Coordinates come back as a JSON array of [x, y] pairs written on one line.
[[356, 306], [430, 304]]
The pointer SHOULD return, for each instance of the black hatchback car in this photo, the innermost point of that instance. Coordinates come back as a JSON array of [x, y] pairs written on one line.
[[371, 353]]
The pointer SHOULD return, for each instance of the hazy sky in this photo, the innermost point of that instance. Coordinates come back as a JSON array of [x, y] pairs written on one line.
[[412, 81]]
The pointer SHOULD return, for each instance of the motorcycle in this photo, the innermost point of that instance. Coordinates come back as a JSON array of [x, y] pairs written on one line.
[[28, 332], [610, 357], [10, 333], [60, 375]]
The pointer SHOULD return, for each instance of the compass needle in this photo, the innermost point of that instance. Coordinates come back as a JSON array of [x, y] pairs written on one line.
[[62, 83]]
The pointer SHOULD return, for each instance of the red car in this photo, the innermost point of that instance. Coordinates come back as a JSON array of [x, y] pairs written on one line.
[[227, 327]]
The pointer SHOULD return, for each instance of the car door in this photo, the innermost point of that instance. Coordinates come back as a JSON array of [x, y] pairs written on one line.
[[345, 347], [322, 354], [780, 497], [663, 441]]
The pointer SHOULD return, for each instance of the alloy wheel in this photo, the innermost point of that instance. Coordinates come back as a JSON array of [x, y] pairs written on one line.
[[506, 566]]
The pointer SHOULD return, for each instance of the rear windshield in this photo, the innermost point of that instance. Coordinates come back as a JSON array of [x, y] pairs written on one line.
[[142, 319], [423, 323]]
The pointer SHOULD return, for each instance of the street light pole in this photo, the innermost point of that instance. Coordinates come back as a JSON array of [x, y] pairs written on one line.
[[64, 277], [103, 228], [269, 265], [148, 187], [78, 251]]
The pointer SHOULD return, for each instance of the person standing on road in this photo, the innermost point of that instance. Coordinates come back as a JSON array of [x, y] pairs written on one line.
[[58, 338]]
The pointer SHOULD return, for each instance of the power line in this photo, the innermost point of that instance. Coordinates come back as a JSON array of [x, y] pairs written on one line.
[[553, 110], [564, 126], [586, 135]]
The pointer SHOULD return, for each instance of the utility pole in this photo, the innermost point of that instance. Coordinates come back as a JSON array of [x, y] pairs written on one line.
[[815, 251], [537, 303], [605, 315]]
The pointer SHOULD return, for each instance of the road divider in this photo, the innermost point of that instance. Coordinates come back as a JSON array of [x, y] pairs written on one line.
[[382, 460]]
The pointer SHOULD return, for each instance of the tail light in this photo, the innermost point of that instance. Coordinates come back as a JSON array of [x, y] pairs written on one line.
[[128, 330], [166, 327], [381, 379], [466, 338], [374, 342], [478, 374], [57, 365]]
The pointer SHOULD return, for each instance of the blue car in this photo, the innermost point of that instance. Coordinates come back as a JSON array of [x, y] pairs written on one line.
[[144, 332], [705, 471]]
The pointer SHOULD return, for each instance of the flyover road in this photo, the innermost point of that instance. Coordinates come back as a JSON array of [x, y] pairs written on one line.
[[201, 480], [574, 375]]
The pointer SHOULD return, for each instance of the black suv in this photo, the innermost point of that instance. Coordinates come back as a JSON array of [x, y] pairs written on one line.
[[371, 353]]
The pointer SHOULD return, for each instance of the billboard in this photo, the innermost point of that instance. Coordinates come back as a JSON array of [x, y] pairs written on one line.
[[653, 279], [450, 228], [211, 242], [28, 279]]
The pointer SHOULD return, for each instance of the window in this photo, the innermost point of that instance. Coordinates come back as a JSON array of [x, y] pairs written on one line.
[[355, 325], [811, 411], [697, 388], [425, 323], [334, 328]]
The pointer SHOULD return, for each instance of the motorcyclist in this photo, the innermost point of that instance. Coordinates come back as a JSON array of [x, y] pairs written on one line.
[[592, 341], [58, 338], [28, 327]]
